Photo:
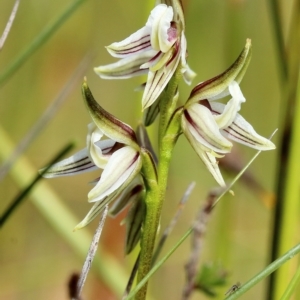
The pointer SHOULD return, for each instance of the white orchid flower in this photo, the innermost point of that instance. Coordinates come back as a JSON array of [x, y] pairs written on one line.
[[118, 156], [209, 125], [156, 50]]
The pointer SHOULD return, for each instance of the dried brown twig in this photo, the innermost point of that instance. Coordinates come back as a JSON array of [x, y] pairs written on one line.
[[199, 229], [90, 256]]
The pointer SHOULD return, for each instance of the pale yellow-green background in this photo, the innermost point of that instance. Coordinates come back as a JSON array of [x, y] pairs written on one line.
[[35, 263]]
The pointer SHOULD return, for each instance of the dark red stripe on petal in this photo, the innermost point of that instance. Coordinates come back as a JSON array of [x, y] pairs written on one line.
[[135, 49], [153, 88], [239, 136], [82, 167], [175, 54]]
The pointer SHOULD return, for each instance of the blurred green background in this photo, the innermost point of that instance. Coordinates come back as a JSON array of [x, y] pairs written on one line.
[[35, 261]]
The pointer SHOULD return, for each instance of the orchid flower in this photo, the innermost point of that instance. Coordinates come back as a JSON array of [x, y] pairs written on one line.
[[118, 156], [156, 50], [209, 126]]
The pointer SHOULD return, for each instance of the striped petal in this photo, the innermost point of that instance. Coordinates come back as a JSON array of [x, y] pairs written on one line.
[[208, 157], [242, 132], [76, 164], [135, 43], [120, 170], [157, 81], [127, 67], [199, 124]]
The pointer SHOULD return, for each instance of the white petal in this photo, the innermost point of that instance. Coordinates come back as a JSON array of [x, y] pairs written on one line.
[[128, 195], [200, 123], [233, 106], [121, 166], [76, 164], [212, 165], [95, 135], [137, 42], [96, 209], [236, 92], [183, 49], [157, 81], [159, 22], [188, 74], [127, 67], [242, 132], [155, 14], [208, 158], [165, 40]]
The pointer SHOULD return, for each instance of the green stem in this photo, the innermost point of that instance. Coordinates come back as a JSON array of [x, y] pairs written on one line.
[[154, 201], [264, 273], [154, 205], [168, 134], [39, 40], [158, 265]]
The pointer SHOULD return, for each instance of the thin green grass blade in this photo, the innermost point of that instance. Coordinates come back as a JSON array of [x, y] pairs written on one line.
[[41, 39], [264, 273], [22, 196], [292, 286]]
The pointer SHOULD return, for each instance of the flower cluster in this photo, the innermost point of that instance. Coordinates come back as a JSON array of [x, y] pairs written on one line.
[[209, 124], [156, 50]]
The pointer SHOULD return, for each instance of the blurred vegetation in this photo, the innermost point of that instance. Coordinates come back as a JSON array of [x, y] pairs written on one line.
[[35, 261]]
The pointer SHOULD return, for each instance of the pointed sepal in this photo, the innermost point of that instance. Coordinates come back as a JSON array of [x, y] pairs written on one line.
[[106, 122], [134, 221], [217, 87]]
